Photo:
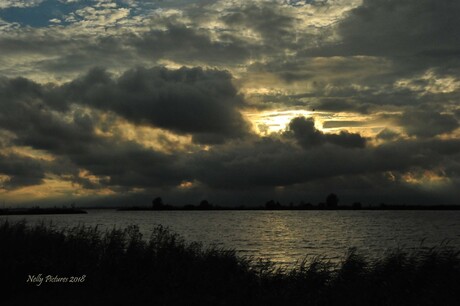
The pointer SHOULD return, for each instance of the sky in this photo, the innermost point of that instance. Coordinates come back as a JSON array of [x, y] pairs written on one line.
[[238, 102]]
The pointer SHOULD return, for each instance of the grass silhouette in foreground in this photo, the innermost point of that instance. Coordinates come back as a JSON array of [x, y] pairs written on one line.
[[122, 268]]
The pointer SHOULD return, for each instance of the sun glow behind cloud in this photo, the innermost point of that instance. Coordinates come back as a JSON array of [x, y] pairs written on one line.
[[273, 121]]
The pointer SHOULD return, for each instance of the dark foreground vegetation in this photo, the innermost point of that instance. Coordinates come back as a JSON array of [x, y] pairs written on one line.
[[122, 268]]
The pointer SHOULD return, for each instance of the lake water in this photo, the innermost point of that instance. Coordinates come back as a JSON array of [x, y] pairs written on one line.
[[286, 237]]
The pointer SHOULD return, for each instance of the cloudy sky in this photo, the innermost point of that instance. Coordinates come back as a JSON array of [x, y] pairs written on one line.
[[238, 102]]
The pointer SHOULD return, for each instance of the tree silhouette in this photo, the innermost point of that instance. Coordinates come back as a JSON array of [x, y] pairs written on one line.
[[272, 205], [205, 205], [157, 203], [332, 200]]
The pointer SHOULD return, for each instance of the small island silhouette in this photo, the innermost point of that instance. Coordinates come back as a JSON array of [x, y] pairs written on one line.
[[41, 211]]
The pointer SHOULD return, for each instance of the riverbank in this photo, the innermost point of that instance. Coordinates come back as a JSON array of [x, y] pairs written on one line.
[[120, 267]]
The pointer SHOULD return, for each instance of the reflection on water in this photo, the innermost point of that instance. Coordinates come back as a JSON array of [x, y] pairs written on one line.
[[287, 236]]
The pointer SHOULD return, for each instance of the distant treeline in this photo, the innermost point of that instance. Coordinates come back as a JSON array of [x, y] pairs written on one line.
[[331, 203], [84, 266]]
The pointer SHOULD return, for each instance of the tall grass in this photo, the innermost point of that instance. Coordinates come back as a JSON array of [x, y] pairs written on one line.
[[123, 268]]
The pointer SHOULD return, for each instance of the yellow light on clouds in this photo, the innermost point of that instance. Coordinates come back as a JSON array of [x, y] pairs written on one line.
[[274, 121], [51, 188], [427, 178]]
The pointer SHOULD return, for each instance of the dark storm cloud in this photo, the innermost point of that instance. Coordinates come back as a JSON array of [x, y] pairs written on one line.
[[127, 164], [346, 139], [194, 101], [387, 134], [56, 51], [26, 112], [119, 163], [71, 137], [203, 103], [274, 26], [400, 28], [21, 171], [405, 39], [78, 54], [427, 124], [66, 52], [358, 84], [270, 162], [187, 44], [373, 98], [300, 155], [340, 104], [341, 123], [305, 133], [28, 41], [247, 172]]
